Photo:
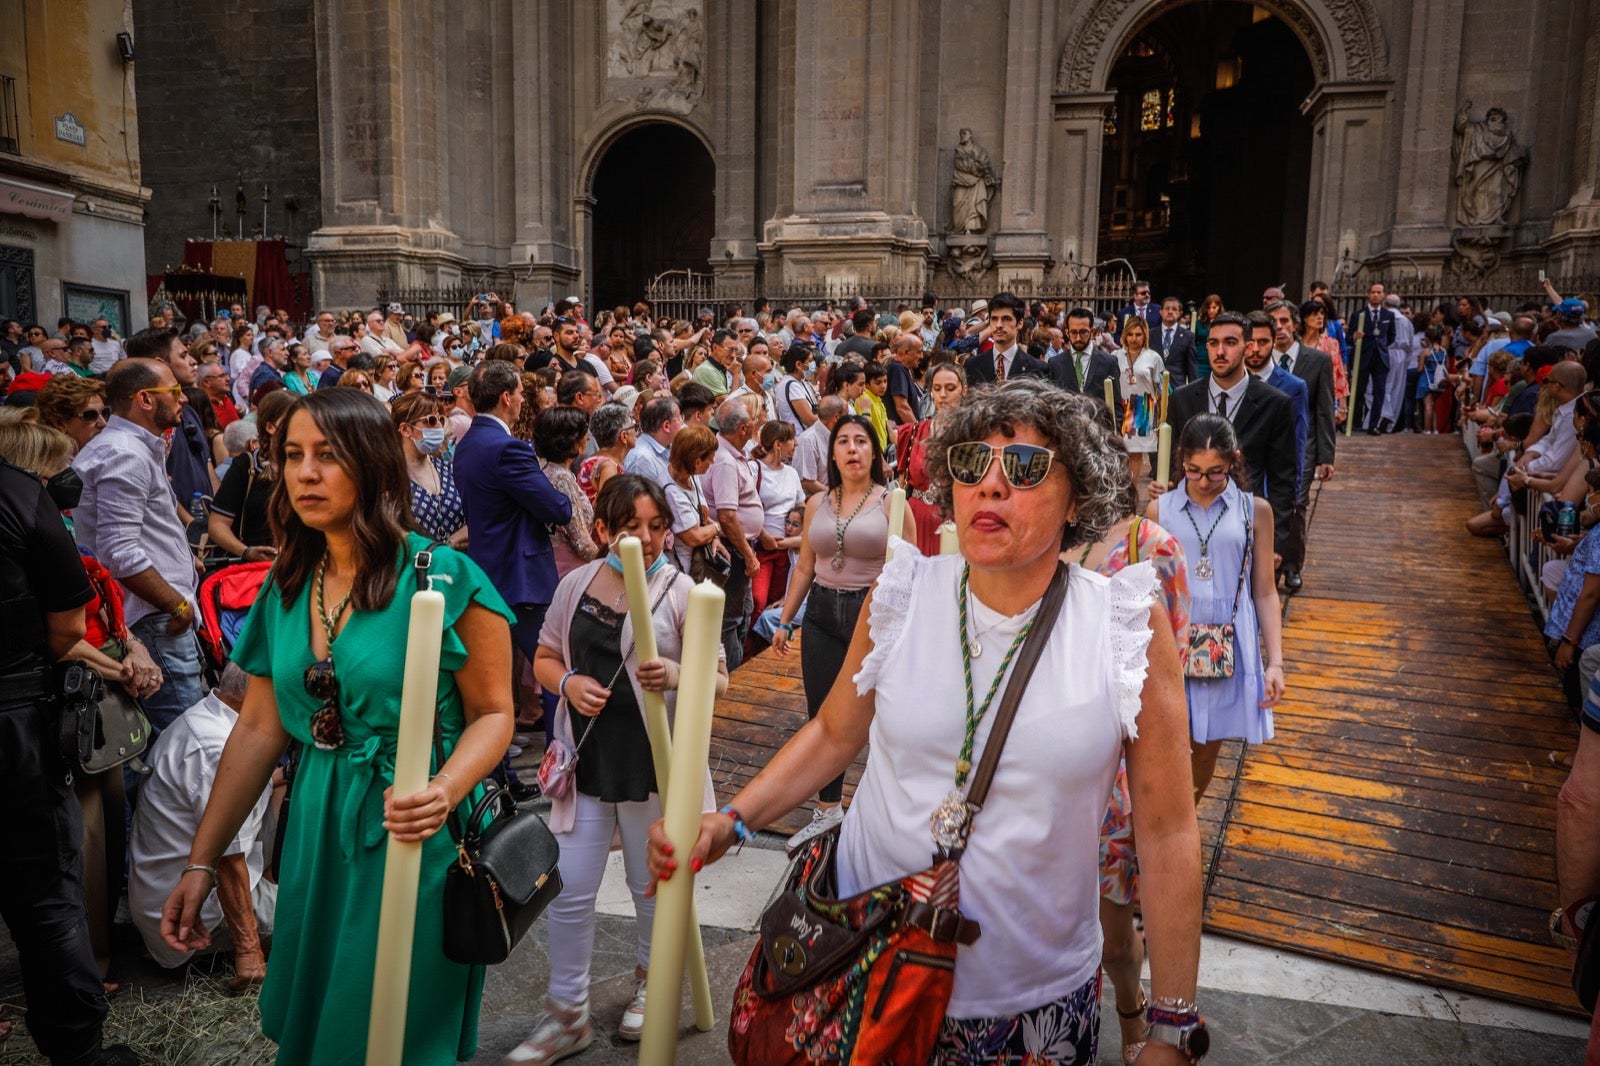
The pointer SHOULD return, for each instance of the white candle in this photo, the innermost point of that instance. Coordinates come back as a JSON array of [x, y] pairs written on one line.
[[949, 539], [1164, 454], [397, 910], [1355, 393], [1111, 401], [697, 688], [631, 552], [897, 516]]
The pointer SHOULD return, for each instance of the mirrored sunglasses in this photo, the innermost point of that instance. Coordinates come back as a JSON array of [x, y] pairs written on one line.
[[1025, 466]]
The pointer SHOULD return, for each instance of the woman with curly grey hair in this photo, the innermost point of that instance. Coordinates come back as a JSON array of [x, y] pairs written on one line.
[[1026, 473]]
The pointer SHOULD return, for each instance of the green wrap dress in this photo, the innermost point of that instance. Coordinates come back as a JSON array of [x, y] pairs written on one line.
[[318, 991]]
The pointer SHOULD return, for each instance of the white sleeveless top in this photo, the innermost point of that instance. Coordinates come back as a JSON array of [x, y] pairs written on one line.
[[1030, 875]]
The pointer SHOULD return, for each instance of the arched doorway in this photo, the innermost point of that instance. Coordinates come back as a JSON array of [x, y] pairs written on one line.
[[1207, 155], [654, 210]]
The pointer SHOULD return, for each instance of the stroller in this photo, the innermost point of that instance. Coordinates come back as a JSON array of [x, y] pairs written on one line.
[[225, 597]]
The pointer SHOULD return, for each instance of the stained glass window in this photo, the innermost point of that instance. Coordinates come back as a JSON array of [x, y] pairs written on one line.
[[1172, 107], [1150, 110], [1111, 121]]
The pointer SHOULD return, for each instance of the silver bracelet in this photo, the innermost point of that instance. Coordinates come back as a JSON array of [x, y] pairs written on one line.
[[212, 870]]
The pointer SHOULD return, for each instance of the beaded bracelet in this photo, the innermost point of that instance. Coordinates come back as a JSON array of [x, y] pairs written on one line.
[[740, 829]]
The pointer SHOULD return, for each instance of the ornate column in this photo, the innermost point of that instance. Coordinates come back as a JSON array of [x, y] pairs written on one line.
[[380, 221], [851, 220], [1021, 243], [1347, 185], [1076, 146]]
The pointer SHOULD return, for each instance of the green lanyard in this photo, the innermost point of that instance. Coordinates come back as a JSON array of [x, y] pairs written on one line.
[[975, 714]]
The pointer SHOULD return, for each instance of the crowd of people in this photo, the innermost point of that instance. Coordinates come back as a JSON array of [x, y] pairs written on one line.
[[757, 451]]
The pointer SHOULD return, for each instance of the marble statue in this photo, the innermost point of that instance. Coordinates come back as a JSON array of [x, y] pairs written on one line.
[[1489, 164], [971, 187]]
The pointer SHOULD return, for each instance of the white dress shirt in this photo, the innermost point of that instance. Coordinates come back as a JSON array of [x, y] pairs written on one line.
[[1235, 394]]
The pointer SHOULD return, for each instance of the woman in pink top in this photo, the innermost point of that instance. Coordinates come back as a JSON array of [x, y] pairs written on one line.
[[843, 543]]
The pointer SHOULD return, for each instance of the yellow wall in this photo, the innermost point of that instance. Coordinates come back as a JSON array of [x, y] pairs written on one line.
[[63, 55]]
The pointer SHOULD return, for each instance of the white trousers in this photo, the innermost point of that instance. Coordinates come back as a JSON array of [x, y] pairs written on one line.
[[583, 865]]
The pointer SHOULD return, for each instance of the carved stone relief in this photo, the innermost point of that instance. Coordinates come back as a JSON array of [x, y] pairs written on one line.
[[657, 52], [1366, 56]]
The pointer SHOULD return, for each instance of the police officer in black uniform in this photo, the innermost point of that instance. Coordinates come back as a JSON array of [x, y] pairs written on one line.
[[43, 590]]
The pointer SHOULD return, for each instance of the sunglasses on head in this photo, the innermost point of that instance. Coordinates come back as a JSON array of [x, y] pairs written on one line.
[[327, 725], [1025, 466]]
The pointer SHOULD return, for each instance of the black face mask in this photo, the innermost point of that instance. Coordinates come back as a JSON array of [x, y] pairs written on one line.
[[65, 489]]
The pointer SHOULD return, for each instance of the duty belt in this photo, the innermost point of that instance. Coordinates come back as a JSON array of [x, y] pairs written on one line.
[[24, 688]]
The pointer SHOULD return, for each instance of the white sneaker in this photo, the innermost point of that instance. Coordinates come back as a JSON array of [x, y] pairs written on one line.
[[563, 1031], [632, 1026], [822, 820]]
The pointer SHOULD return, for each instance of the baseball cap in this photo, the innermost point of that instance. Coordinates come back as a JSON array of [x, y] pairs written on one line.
[[1570, 308], [574, 299], [458, 377], [395, 309]]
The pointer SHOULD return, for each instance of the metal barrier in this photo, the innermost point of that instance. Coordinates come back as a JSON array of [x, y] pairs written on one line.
[[1526, 555]]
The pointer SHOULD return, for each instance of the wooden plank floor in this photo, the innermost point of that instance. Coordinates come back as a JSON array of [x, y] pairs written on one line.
[[1403, 817]]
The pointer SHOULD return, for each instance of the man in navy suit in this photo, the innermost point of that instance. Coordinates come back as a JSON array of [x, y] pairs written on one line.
[[510, 504], [1175, 342], [1013, 361], [1258, 360], [1080, 366], [1141, 308], [1374, 331]]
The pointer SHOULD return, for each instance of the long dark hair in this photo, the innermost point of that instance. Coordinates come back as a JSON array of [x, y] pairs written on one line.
[[880, 468], [361, 436], [1207, 432]]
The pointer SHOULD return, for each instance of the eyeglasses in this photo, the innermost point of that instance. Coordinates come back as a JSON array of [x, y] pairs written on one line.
[[95, 414], [428, 421], [327, 725], [1204, 475], [1025, 466]]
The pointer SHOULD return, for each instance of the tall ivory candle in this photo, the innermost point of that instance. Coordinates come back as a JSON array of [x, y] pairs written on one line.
[[397, 909], [897, 516], [1355, 388], [691, 744], [949, 539], [631, 552], [1164, 454], [1166, 394], [1111, 400]]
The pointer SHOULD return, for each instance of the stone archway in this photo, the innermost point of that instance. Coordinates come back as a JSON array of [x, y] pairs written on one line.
[[1347, 108]]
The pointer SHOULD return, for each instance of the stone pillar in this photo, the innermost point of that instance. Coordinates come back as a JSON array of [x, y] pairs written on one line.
[[1574, 241], [1076, 147], [731, 41], [851, 221], [1347, 186], [1021, 244], [380, 202], [549, 226], [1420, 188]]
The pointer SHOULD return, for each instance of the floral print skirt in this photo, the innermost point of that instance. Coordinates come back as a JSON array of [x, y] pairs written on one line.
[[1063, 1033]]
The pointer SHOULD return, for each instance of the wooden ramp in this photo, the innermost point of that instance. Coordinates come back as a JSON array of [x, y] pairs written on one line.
[[1403, 818]]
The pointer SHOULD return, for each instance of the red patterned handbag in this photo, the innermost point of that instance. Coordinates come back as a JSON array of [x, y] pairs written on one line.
[[865, 980]]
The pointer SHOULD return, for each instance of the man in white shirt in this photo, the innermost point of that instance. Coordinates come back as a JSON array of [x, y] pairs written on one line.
[[757, 369], [320, 333], [811, 449], [107, 348], [659, 422], [183, 764]]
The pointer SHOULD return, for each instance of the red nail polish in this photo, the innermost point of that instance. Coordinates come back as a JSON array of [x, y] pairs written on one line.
[[696, 866]]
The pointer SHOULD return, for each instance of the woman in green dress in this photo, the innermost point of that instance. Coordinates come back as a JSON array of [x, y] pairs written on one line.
[[324, 646]]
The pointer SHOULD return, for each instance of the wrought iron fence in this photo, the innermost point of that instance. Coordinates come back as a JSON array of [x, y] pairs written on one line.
[[453, 298]]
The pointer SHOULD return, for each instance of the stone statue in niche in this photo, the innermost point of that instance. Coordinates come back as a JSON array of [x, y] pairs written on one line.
[[971, 187], [1489, 164], [661, 44]]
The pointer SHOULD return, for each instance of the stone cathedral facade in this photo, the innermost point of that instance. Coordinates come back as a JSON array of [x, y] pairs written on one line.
[[898, 145]]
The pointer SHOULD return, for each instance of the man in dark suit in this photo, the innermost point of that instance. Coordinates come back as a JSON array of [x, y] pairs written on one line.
[[1258, 361], [1007, 359], [1081, 367], [509, 503], [1374, 332], [1262, 416], [1175, 343], [1140, 308], [1315, 368]]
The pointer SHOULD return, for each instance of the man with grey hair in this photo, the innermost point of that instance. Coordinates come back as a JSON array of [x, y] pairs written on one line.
[[757, 390], [183, 766], [274, 361], [320, 332], [733, 495], [811, 450]]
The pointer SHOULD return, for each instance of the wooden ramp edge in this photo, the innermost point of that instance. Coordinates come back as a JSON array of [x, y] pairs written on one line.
[[1403, 817]]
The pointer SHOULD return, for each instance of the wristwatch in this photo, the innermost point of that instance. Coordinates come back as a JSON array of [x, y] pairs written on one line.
[[1192, 1038]]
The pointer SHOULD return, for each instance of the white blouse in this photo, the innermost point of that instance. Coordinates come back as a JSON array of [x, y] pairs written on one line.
[[1030, 875]]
